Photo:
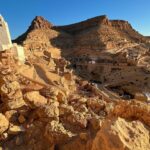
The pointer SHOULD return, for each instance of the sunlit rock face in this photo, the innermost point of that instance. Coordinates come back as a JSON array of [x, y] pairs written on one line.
[[5, 39]]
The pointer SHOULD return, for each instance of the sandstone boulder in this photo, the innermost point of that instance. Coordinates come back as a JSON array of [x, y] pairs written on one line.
[[11, 115], [4, 123], [119, 134], [61, 97], [15, 103], [96, 104], [7, 88], [77, 119], [49, 111], [65, 109], [34, 99], [56, 133]]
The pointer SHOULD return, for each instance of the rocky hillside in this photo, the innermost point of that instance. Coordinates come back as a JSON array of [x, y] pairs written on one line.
[[98, 49], [84, 86], [45, 106], [41, 34], [101, 33], [37, 23]]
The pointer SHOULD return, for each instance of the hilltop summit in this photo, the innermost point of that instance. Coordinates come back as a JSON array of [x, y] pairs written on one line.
[[40, 23]]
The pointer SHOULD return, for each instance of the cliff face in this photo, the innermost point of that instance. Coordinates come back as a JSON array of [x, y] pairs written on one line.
[[121, 24], [78, 27], [127, 31], [93, 22], [101, 33]]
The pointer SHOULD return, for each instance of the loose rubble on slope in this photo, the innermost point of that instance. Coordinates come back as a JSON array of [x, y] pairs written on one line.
[[45, 105]]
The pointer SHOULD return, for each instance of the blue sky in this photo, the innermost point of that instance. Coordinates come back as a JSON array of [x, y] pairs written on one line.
[[19, 13]]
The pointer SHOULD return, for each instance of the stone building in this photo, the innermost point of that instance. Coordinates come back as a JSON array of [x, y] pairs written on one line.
[[6, 43], [5, 39], [18, 52]]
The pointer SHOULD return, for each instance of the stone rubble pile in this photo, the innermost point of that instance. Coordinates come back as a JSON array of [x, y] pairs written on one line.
[[63, 114]]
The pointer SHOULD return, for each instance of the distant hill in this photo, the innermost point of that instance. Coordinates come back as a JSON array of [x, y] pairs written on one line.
[[96, 33]]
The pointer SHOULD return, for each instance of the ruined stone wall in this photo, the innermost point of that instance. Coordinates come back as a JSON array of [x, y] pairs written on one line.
[[4, 33]]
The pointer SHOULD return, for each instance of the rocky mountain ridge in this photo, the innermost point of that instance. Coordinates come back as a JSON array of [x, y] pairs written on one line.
[[105, 31]]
